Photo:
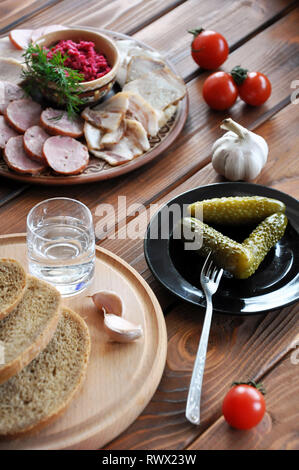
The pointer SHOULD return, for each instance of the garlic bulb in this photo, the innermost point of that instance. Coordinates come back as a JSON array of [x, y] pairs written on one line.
[[239, 154]]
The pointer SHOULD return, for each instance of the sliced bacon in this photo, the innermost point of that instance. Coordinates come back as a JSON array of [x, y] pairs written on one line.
[[20, 38], [22, 114], [65, 155], [34, 139], [6, 132], [57, 122], [17, 159], [9, 92], [110, 157]]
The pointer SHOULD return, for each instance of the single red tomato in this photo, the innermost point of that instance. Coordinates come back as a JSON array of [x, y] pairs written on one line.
[[243, 406], [220, 91], [254, 87], [208, 49]]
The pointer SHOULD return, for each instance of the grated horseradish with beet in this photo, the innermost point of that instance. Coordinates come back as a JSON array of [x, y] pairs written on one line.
[[82, 57]]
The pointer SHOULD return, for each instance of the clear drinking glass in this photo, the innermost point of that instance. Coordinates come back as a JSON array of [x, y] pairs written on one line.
[[61, 244]]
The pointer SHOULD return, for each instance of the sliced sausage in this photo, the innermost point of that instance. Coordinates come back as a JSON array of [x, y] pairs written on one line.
[[20, 38], [65, 155], [9, 92], [6, 132], [57, 122], [16, 158], [22, 114], [34, 139]]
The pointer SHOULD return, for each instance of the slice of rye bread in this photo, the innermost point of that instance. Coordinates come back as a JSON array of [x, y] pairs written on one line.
[[29, 327], [41, 392], [12, 285]]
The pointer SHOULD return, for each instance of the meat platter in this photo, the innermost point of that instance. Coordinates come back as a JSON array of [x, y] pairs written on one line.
[[96, 164]]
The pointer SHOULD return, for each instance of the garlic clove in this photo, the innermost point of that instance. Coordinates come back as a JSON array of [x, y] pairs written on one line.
[[109, 302], [121, 330]]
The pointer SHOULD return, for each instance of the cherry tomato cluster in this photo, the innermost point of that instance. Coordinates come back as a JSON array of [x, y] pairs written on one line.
[[209, 50]]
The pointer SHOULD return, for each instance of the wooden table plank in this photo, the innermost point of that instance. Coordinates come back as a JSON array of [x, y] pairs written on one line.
[[124, 16], [279, 428], [240, 348], [13, 12]]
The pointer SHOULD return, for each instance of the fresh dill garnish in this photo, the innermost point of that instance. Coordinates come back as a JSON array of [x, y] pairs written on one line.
[[52, 78]]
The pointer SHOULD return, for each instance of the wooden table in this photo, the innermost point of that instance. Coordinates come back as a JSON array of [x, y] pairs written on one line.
[[263, 35]]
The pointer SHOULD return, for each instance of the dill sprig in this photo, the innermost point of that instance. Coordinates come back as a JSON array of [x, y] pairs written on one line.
[[51, 77]]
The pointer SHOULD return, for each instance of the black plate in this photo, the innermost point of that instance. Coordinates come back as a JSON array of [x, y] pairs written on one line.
[[275, 283]]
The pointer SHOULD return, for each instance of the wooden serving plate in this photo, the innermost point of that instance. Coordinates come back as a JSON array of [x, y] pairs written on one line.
[[121, 378], [97, 169]]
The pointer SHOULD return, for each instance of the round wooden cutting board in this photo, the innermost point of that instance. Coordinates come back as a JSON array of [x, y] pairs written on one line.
[[121, 378]]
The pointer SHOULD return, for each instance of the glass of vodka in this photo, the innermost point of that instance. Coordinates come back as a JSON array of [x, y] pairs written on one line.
[[61, 244]]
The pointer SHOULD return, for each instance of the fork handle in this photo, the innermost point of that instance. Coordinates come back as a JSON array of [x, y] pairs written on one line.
[[194, 394]]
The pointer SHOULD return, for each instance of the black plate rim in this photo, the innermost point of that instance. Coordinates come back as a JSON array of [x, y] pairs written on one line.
[[286, 198]]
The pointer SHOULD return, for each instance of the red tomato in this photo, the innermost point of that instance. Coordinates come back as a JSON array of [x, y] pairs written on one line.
[[243, 406], [220, 91], [208, 49], [255, 89]]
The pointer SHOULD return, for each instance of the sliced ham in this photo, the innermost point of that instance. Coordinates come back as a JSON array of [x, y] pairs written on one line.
[[65, 155], [9, 92], [22, 114], [20, 38], [34, 139], [6, 132], [17, 159], [39, 32], [57, 122]]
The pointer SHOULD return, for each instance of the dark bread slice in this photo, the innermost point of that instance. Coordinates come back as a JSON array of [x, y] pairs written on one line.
[[29, 327], [43, 389], [12, 285]]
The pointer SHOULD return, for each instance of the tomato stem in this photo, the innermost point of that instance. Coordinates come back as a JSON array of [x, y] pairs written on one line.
[[239, 74], [196, 31], [259, 386]]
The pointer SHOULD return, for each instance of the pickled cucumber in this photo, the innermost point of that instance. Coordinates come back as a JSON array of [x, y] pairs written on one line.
[[266, 235], [239, 210], [240, 259], [227, 253]]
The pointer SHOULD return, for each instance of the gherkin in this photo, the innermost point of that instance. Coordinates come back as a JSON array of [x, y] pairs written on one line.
[[240, 259], [239, 210]]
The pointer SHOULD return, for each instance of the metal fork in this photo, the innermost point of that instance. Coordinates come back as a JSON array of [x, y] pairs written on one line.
[[209, 278]]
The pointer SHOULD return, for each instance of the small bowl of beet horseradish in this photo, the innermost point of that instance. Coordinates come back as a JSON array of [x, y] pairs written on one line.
[[93, 55]]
